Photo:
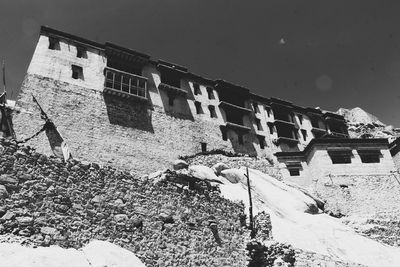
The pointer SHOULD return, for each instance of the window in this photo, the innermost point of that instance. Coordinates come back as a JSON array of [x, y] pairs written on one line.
[[128, 83], [196, 88], [224, 134], [77, 72], [199, 109], [271, 128], [203, 147], [255, 107], [340, 156], [213, 114], [369, 156], [171, 78], [258, 123], [170, 101], [210, 93], [268, 110], [54, 44], [294, 172], [300, 118], [81, 52], [315, 123], [240, 139], [261, 141], [304, 133]]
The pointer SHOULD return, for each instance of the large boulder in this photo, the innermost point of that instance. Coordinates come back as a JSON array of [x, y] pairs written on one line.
[[180, 164], [219, 167], [202, 172], [234, 175]]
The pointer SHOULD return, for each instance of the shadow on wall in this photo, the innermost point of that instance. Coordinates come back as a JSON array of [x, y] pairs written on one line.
[[176, 105], [131, 113]]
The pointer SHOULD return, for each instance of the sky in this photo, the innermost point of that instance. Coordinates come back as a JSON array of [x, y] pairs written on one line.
[[315, 53]]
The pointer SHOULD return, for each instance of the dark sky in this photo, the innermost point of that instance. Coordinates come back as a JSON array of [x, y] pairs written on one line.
[[314, 53]]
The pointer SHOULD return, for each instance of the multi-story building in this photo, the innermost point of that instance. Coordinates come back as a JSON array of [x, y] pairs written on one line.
[[115, 105]]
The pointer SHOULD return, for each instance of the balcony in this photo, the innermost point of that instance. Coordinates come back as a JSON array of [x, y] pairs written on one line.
[[284, 123], [339, 135], [125, 84], [235, 126], [225, 104], [318, 130], [287, 140], [172, 89]]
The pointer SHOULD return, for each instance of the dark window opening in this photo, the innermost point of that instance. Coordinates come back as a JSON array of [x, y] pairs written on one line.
[[234, 116], [258, 123], [196, 88], [304, 133], [336, 127], [77, 72], [54, 44], [271, 128], [283, 115], [261, 140], [268, 110], [240, 139], [255, 107], [123, 65], [294, 172], [199, 109], [171, 101], [171, 78], [315, 123], [210, 93], [284, 131], [81, 52], [300, 118], [369, 156], [340, 157], [203, 147], [224, 134], [213, 114]]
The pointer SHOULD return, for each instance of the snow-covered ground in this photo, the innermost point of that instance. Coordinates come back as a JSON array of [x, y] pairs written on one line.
[[319, 233], [95, 254]]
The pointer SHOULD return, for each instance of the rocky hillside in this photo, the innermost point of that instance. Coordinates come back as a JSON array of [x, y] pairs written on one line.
[[51, 202], [365, 125]]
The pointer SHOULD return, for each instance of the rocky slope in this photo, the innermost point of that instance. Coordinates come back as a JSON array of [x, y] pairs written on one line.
[[365, 125], [68, 204]]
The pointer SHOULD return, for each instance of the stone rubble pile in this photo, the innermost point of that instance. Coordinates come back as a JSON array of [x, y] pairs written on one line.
[[47, 202]]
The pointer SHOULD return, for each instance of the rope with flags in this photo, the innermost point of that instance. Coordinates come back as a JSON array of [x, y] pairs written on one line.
[[58, 145]]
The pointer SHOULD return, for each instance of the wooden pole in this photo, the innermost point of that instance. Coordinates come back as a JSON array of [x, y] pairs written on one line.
[[252, 233]]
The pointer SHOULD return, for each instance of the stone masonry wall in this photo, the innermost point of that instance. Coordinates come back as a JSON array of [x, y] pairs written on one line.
[[113, 131], [50, 202]]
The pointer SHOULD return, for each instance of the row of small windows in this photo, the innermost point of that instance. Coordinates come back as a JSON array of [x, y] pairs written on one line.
[[54, 44], [211, 109], [197, 91], [344, 157], [261, 139]]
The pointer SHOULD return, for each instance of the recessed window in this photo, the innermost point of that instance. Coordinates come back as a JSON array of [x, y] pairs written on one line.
[[268, 110], [369, 156], [255, 107], [240, 139], [294, 172], [81, 52], [261, 141], [54, 43], [77, 72], [304, 134], [203, 147], [210, 93], [213, 114], [171, 78], [340, 156], [199, 109], [171, 101], [258, 123], [300, 118], [224, 134], [196, 88], [271, 128]]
